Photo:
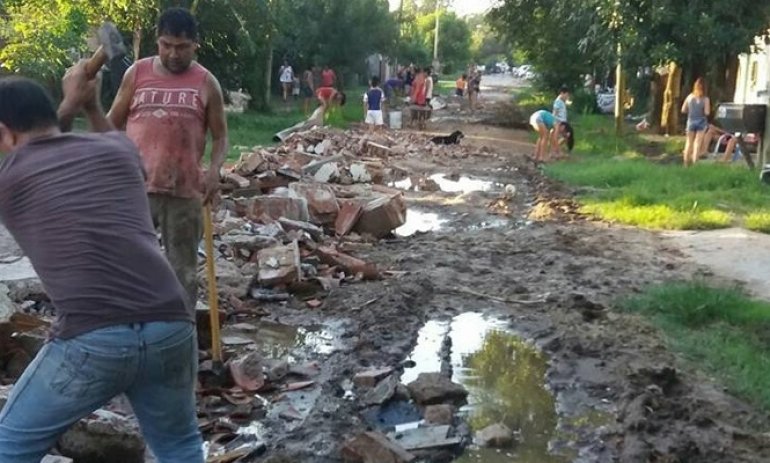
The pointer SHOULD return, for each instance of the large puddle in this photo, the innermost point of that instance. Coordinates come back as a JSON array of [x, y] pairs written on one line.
[[423, 221], [447, 183], [505, 377]]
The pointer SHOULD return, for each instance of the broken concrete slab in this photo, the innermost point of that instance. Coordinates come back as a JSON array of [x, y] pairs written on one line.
[[423, 438], [237, 180], [101, 437], [313, 167], [360, 173], [321, 201], [497, 435], [382, 215], [327, 172], [435, 388], [370, 377], [374, 447], [279, 265]]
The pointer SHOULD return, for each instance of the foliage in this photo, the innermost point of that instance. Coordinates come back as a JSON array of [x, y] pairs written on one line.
[[719, 329], [564, 38], [42, 37], [617, 182]]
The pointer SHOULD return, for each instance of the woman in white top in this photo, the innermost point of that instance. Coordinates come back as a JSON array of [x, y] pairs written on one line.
[[286, 76]]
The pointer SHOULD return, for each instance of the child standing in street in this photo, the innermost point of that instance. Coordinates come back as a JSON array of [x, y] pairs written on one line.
[[374, 99]]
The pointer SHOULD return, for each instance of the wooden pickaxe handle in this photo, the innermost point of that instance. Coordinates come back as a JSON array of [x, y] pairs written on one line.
[[211, 276]]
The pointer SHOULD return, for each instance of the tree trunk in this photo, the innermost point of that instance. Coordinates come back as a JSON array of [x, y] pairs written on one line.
[[137, 40], [669, 120], [269, 74], [657, 89]]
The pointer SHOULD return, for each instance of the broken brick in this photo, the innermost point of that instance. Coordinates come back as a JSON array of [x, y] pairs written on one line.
[[350, 212], [321, 201], [353, 265], [274, 207], [382, 215]]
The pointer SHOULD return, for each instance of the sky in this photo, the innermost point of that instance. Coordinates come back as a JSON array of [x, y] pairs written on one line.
[[461, 7]]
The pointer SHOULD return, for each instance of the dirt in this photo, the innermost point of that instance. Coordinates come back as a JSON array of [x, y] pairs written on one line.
[[605, 386], [603, 363]]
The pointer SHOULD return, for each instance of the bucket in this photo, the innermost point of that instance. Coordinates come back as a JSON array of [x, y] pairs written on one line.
[[394, 119]]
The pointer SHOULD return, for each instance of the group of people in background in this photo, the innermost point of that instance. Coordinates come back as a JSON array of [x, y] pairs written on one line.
[[553, 129], [469, 84], [321, 84]]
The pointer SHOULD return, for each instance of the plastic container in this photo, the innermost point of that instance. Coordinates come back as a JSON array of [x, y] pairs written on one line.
[[394, 120]]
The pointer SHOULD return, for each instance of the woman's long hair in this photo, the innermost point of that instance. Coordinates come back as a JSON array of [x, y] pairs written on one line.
[[569, 134], [699, 87]]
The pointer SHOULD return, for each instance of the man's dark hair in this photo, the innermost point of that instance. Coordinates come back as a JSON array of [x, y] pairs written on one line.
[[563, 89], [375, 81], [178, 22], [25, 105]]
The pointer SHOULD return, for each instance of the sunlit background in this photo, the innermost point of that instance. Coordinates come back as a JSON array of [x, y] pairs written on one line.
[[461, 7]]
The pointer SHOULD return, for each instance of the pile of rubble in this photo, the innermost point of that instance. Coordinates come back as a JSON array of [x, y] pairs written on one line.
[[285, 209]]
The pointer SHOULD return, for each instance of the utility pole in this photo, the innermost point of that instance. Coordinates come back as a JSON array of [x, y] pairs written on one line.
[[620, 89], [435, 33]]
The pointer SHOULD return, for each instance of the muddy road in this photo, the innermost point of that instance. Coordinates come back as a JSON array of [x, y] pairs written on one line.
[[496, 281]]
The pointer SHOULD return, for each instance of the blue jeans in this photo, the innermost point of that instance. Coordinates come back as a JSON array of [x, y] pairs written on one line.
[[153, 364]]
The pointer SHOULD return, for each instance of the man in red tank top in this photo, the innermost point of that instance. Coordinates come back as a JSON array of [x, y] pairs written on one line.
[[167, 104]]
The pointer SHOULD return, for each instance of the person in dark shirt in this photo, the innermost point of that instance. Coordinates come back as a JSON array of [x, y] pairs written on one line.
[[374, 100], [76, 205]]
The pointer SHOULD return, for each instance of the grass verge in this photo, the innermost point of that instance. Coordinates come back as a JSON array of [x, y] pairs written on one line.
[[721, 331], [630, 180]]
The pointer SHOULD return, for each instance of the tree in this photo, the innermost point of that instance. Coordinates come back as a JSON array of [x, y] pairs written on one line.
[[454, 39]]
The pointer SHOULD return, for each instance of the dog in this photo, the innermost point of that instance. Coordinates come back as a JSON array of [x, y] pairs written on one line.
[[451, 139]]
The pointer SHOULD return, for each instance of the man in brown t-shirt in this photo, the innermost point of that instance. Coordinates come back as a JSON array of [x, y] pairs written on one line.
[[77, 206]]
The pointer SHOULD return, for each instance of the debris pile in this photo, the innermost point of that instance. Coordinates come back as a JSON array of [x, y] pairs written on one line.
[[284, 205], [430, 429]]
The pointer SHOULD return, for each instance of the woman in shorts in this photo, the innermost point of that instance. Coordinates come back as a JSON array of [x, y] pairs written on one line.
[[544, 124], [697, 106]]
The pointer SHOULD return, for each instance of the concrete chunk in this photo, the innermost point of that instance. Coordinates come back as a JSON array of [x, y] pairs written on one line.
[[279, 265]]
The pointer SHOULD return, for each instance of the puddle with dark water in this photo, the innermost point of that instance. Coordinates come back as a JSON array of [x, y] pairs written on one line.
[[505, 377]]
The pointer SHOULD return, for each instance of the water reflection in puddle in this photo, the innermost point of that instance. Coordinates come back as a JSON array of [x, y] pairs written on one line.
[[505, 377], [462, 184], [277, 340], [420, 222]]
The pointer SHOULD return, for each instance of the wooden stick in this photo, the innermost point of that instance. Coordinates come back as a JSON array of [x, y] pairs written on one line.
[[471, 292], [208, 232]]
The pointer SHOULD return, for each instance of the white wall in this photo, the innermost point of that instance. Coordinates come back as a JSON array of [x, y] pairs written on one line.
[[753, 80]]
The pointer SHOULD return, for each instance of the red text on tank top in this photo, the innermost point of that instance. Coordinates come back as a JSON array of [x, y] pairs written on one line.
[[167, 121]]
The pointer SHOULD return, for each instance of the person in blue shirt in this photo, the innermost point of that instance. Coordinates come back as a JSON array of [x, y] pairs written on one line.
[[560, 105], [374, 100], [548, 129]]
